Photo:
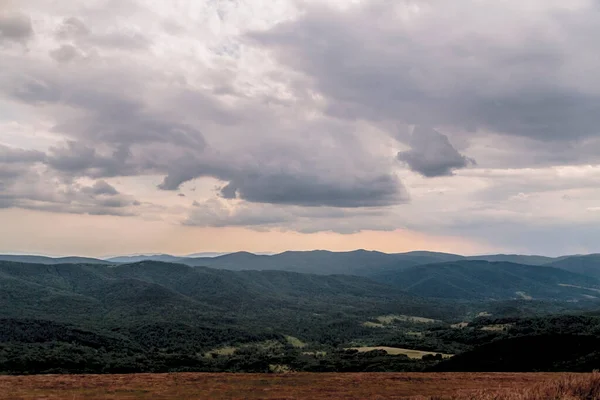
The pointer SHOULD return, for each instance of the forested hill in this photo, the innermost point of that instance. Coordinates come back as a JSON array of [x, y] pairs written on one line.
[[165, 291], [491, 280], [157, 316], [358, 262], [51, 260], [586, 265]]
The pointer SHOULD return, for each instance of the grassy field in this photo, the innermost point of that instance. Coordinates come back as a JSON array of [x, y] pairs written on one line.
[[397, 350], [294, 341], [438, 386], [388, 319], [496, 328]]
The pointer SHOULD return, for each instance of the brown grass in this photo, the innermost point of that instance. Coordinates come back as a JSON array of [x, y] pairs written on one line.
[[439, 386], [570, 387]]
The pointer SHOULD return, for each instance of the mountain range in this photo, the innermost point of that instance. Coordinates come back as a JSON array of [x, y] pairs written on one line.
[[425, 274], [358, 262], [153, 315]]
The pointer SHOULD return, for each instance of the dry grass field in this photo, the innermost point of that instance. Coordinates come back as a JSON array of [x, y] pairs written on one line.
[[442, 386], [415, 354]]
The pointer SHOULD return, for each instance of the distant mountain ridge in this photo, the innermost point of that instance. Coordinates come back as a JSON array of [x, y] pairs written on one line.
[[145, 257], [357, 262], [51, 260], [323, 262]]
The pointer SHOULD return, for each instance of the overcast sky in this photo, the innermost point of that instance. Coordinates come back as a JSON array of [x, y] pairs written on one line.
[[179, 126]]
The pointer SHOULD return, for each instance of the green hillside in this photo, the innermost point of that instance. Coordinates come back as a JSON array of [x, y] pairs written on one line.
[[154, 316], [472, 280], [586, 265]]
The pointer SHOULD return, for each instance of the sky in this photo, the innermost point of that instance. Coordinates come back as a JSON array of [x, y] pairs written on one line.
[[182, 126]]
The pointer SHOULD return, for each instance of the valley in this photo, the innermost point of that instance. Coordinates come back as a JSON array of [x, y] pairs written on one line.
[[455, 314]]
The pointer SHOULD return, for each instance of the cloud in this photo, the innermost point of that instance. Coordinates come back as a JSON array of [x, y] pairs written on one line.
[[65, 53], [77, 159], [15, 27], [27, 182], [121, 128], [225, 213], [309, 170], [451, 65], [14, 155], [217, 213], [125, 41], [314, 191], [72, 28], [294, 119], [37, 189], [101, 187], [432, 154], [75, 29]]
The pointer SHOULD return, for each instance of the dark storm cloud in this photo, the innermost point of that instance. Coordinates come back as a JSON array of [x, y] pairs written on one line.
[[432, 154], [313, 191], [114, 134], [451, 64], [275, 185], [9, 173], [13, 155], [111, 130], [304, 171], [77, 159], [15, 27], [110, 116], [36, 92]]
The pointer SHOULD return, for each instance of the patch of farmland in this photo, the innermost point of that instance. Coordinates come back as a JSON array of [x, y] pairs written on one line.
[[417, 354]]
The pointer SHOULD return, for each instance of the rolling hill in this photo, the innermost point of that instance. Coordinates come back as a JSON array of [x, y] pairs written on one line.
[[514, 258], [472, 280], [51, 260], [164, 291], [586, 265], [144, 257], [358, 262], [155, 316]]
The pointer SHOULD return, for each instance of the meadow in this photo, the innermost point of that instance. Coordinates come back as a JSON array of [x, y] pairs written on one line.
[[416, 386], [414, 354]]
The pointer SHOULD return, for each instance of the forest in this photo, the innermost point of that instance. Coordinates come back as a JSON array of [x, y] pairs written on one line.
[[153, 316]]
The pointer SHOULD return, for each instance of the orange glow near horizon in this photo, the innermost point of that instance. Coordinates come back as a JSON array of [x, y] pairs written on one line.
[[37, 232]]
